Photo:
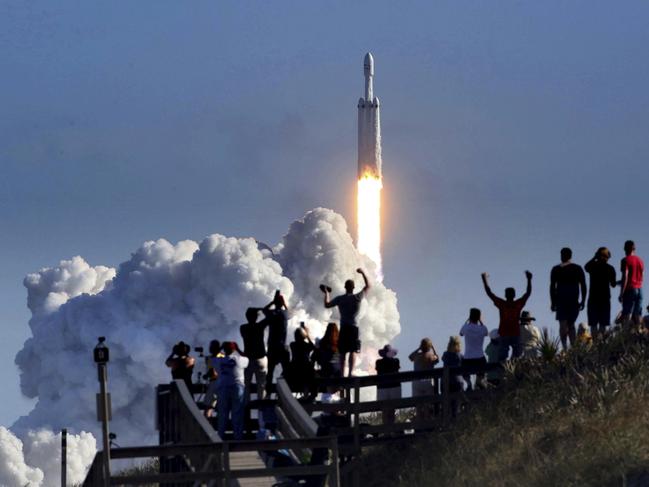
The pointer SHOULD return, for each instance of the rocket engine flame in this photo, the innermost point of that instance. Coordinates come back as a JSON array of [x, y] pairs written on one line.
[[369, 220]]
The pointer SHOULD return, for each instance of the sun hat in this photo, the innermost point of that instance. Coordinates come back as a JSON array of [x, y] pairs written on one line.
[[527, 316], [388, 352]]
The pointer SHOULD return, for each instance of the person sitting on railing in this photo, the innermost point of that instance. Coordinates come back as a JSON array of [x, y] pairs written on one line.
[[254, 348], [326, 353], [278, 353], [230, 393], [453, 358], [301, 368], [388, 364], [474, 333], [349, 304], [181, 363], [424, 358]]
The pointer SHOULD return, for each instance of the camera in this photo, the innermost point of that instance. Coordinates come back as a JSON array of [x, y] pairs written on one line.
[[324, 288], [198, 349]]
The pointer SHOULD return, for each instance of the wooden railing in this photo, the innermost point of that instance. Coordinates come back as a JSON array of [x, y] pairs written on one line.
[[191, 451]]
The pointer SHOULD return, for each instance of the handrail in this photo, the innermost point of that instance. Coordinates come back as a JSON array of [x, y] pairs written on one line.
[[299, 418], [409, 376]]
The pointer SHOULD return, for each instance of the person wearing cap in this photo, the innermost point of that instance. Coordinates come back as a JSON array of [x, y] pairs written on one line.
[[632, 269], [474, 333], [530, 335], [510, 313], [349, 305], [388, 364], [567, 280], [602, 279]]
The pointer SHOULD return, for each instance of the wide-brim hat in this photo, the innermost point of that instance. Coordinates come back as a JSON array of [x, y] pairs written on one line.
[[527, 316], [388, 352]]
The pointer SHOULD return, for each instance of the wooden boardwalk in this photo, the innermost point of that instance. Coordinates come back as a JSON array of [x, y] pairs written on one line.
[[249, 460]]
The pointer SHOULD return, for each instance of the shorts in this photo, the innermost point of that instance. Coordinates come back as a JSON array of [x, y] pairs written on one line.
[[348, 339], [385, 393], [599, 315], [632, 302], [567, 312]]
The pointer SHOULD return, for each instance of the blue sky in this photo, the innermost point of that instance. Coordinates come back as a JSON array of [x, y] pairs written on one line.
[[510, 130]]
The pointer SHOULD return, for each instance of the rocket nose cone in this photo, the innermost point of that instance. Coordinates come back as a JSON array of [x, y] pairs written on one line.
[[368, 64]]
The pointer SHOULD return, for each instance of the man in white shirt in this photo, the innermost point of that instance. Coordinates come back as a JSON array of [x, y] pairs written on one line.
[[474, 333]]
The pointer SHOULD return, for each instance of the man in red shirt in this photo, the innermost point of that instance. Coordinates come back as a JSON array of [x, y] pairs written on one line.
[[632, 269], [510, 313]]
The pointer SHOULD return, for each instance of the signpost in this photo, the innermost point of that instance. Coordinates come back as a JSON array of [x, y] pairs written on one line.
[[101, 356]]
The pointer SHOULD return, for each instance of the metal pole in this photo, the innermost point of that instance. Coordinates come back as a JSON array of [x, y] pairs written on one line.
[[103, 379], [64, 456]]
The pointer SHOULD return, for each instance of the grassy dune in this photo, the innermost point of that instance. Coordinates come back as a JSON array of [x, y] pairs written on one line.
[[580, 418]]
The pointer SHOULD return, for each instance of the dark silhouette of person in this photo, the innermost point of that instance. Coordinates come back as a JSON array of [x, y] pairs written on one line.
[[602, 279], [388, 364], [254, 349], [301, 367], [349, 305], [632, 269], [181, 363], [276, 315], [566, 281], [326, 354], [510, 312]]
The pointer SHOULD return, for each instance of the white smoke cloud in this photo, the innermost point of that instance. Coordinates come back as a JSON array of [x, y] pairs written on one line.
[[164, 293], [43, 448], [13, 469]]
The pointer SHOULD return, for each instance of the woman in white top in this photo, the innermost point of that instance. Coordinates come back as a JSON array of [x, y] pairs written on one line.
[[474, 333]]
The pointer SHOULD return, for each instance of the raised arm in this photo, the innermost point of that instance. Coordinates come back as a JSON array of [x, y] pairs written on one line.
[[528, 290], [365, 280], [412, 356], [326, 290], [485, 282]]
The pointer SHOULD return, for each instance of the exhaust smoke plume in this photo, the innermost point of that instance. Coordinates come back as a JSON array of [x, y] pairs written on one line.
[[165, 293]]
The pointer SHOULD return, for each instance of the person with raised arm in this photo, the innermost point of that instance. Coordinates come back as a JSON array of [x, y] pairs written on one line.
[[349, 304], [276, 315], [510, 313]]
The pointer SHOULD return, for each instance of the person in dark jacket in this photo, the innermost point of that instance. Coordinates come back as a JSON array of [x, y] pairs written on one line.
[[388, 364]]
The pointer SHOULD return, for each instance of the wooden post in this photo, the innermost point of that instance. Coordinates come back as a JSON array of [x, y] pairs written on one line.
[[64, 456], [357, 415], [334, 476], [446, 399], [226, 464]]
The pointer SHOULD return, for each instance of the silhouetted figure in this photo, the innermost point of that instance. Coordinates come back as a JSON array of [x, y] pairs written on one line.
[[276, 313], [493, 356], [632, 269], [326, 354], [301, 367], [212, 376], [388, 364], [231, 397], [453, 358], [602, 279], [181, 363], [254, 348], [530, 336], [474, 333], [510, 312], [349, 304], [566, 280]]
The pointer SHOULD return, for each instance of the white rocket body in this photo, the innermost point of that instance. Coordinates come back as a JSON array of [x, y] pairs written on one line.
[[369, 126]]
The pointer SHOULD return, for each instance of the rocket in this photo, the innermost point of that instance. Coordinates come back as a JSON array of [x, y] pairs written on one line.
[[369, 126]]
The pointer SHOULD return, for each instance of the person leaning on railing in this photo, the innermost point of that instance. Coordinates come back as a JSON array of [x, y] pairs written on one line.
[[424, 358]]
